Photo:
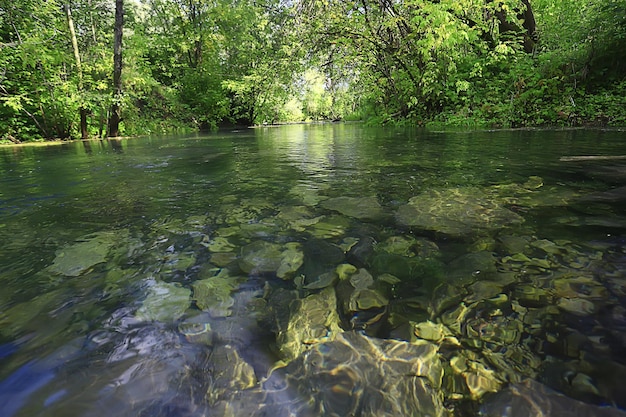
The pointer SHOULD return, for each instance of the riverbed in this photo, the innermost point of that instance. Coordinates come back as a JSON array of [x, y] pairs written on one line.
[[331, 269]]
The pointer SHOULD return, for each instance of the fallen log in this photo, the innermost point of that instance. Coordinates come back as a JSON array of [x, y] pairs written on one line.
[[592, 158]]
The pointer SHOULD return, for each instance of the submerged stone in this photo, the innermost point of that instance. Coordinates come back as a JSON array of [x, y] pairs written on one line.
[[308, 321], [398, 245], [261, 257], [309, 196], [220, 244], [472, 266], [228, 372], [352, 375], [329, 227], [456, 212], [164, 302], [197, 332], [214, 294], [428, 330], [223, 259], [321, 252], [577, 306], [363, 208], [345, 271], [324, 280], [291, 260], [533, 399], [497, 330], [366, 299], [76, 259], [396, 265], [533, 182], [514, 244]]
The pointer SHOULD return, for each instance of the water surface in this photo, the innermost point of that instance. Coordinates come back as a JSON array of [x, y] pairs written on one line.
[[93, 233]]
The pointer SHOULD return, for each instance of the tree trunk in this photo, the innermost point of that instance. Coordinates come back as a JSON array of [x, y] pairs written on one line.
[[116, 111], [528, 29], [84, 133]]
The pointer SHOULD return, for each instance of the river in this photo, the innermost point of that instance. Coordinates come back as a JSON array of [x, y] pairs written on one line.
[[185, 275]]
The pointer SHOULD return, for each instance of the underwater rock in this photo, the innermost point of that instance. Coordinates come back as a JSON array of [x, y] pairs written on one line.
[[164, 302], [261, 257], [497, 330], [471, 267], [297, 218], [228, 373], [576, 306], [483, 244], [361, 303], [345, 271], [514, 363], [223, 259], [329, 227], [291, 260], [580, 286], [220, 244], [428, 330], [307, 195], [324, 280], [290, 214], [533, 182], [360, 253], [362, 279], [321, 252], [481, 382], [352, 375], [367, 299], [530, 295], [310, 320], [514, 244], [456, 212], [90, 250], [396, 265], [18, 317], [348, 243], [482, 290], [176, 261], [362, 208], [408, 246], [214, 294], [532, 399], [197, 332]]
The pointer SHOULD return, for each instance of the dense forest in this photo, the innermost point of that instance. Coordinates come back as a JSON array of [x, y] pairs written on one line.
[[91, 68]]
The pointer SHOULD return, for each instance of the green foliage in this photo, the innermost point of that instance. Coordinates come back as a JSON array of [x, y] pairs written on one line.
[[200, 64]]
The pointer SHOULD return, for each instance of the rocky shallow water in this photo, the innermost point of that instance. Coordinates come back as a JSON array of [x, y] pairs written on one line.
[[443, 289]]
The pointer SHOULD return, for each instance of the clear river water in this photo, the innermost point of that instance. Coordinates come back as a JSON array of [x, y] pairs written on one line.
[[315, 270]]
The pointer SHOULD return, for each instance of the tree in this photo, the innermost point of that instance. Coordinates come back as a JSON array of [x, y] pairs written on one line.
[[116, 111], [83, 110]]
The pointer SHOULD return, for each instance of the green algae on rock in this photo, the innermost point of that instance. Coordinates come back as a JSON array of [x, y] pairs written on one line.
[[90, 250], [214, 294], [164, 302], [291, 260], [363, 208], [261, 257], [456, 212]]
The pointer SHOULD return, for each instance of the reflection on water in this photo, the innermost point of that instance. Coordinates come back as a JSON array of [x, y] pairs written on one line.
[[308, 269]]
